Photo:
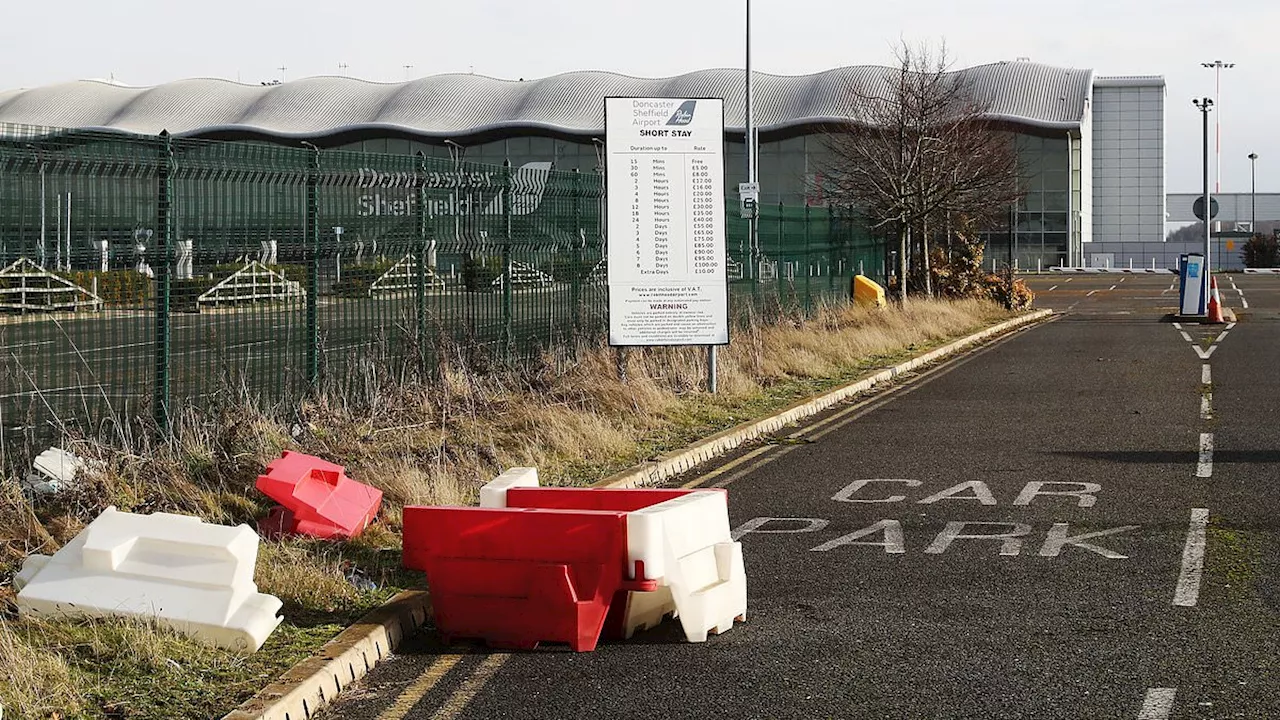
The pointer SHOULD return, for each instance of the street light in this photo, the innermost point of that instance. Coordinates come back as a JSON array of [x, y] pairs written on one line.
[[1218, 66], [1205, 105], [1253, 193]]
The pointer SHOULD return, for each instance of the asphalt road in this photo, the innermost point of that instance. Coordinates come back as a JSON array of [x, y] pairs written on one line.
[[868, 600]]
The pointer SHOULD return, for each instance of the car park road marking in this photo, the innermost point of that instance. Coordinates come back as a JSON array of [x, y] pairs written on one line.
[[434, 673], [1204, 466], [474, 683], [1187, 592], [1158, 704], [888, 535]]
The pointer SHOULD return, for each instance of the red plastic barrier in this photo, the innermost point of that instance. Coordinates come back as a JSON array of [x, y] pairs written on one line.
[[518, 577], [323, 501], [624, 499]]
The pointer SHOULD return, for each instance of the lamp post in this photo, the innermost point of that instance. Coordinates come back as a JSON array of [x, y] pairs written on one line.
[[1218, 67], [1253, 193], [1205, 105]]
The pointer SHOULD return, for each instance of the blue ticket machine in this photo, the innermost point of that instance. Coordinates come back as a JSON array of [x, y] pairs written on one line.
[[1191, 292]]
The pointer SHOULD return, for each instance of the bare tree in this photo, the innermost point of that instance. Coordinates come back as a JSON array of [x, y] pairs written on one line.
[[920, 144]]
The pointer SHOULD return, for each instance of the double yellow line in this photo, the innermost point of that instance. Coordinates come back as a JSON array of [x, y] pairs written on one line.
[[458, 700], [724, 475]]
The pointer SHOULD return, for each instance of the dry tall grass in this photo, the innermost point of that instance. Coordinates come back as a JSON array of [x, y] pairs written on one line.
[[435, 440]]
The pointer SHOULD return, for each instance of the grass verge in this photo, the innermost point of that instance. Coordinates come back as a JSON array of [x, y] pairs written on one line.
[[422, 440]]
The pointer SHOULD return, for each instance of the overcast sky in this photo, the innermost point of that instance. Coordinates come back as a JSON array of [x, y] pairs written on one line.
[[145, 42]]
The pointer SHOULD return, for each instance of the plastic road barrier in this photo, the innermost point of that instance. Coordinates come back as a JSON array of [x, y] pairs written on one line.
[[320, 499], [678, 538], [867, 292], [564, 564], [494, 493], [53, 470], [194, 577]]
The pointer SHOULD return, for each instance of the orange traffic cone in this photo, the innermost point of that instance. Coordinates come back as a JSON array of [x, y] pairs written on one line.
[[1215, 302]]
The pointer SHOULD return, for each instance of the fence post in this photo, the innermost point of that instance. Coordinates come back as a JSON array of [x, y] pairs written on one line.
[[808, 267], [508, 338], [831, 246], [164, 232], [421, 277], [579, 237], [313, 267]]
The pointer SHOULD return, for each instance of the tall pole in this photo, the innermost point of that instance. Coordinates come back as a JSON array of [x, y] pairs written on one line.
[[1218, 66], [1205, 105], [1253, 193], [752, 223]]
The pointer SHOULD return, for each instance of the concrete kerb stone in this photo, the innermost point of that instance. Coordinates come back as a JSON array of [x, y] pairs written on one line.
[[315, 682], [656, 471]]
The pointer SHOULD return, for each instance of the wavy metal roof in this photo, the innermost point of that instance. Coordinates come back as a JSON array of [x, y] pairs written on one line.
[[459, 105]]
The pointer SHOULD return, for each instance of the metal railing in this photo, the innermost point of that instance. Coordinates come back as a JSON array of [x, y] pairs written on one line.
[[187, 269]]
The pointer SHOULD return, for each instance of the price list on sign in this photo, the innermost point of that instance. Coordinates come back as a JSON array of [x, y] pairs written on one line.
[[666, 236]]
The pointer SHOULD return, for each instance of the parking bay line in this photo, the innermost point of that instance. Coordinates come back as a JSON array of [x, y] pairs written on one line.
[[1158, 704], [1204, 466], [1187, 592]]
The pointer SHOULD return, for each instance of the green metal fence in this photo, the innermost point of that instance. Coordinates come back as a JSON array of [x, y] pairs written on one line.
[[142, 274]]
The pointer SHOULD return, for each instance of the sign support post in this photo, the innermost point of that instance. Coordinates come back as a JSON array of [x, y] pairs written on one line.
[[667, 270]]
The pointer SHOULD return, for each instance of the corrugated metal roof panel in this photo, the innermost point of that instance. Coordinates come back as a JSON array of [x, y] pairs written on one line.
[[459, 105]]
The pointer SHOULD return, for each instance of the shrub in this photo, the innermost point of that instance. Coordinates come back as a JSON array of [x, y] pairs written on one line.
[[184, 293], [115, 287], [478, 273], [565, 268], [1261, 251], [1012, 294], [357, 279]]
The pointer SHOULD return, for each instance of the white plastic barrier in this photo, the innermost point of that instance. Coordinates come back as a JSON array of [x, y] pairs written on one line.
[[685, 544], [53, 470], [494, 492], [194, 577]]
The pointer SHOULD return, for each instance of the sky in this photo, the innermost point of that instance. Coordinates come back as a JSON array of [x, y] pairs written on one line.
[[147, 42]]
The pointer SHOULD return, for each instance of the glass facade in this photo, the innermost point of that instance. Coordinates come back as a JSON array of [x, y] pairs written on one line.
[[1046, 220]]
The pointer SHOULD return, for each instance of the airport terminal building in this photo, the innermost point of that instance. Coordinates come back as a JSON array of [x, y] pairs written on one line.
[[1093, 146]]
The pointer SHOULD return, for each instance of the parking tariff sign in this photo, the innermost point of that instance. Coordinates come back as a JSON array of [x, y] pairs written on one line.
[[666, 225]]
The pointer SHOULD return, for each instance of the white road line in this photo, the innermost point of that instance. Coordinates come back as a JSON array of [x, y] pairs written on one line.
[[1204, 468], [1206, 375], [90, 351], [1244, 303], [1177, 326], [1187, 593], [1206, 406], [49, 391], [1113, 287], [1069, 279], [1221, 337], [1055, 287], [1158, 704], [1186, 336], [1230, 325], [28, 344], [1090, 293]]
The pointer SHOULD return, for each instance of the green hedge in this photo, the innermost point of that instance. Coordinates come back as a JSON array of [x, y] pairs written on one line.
[[357, 279], [478, 273], [115, 287]]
